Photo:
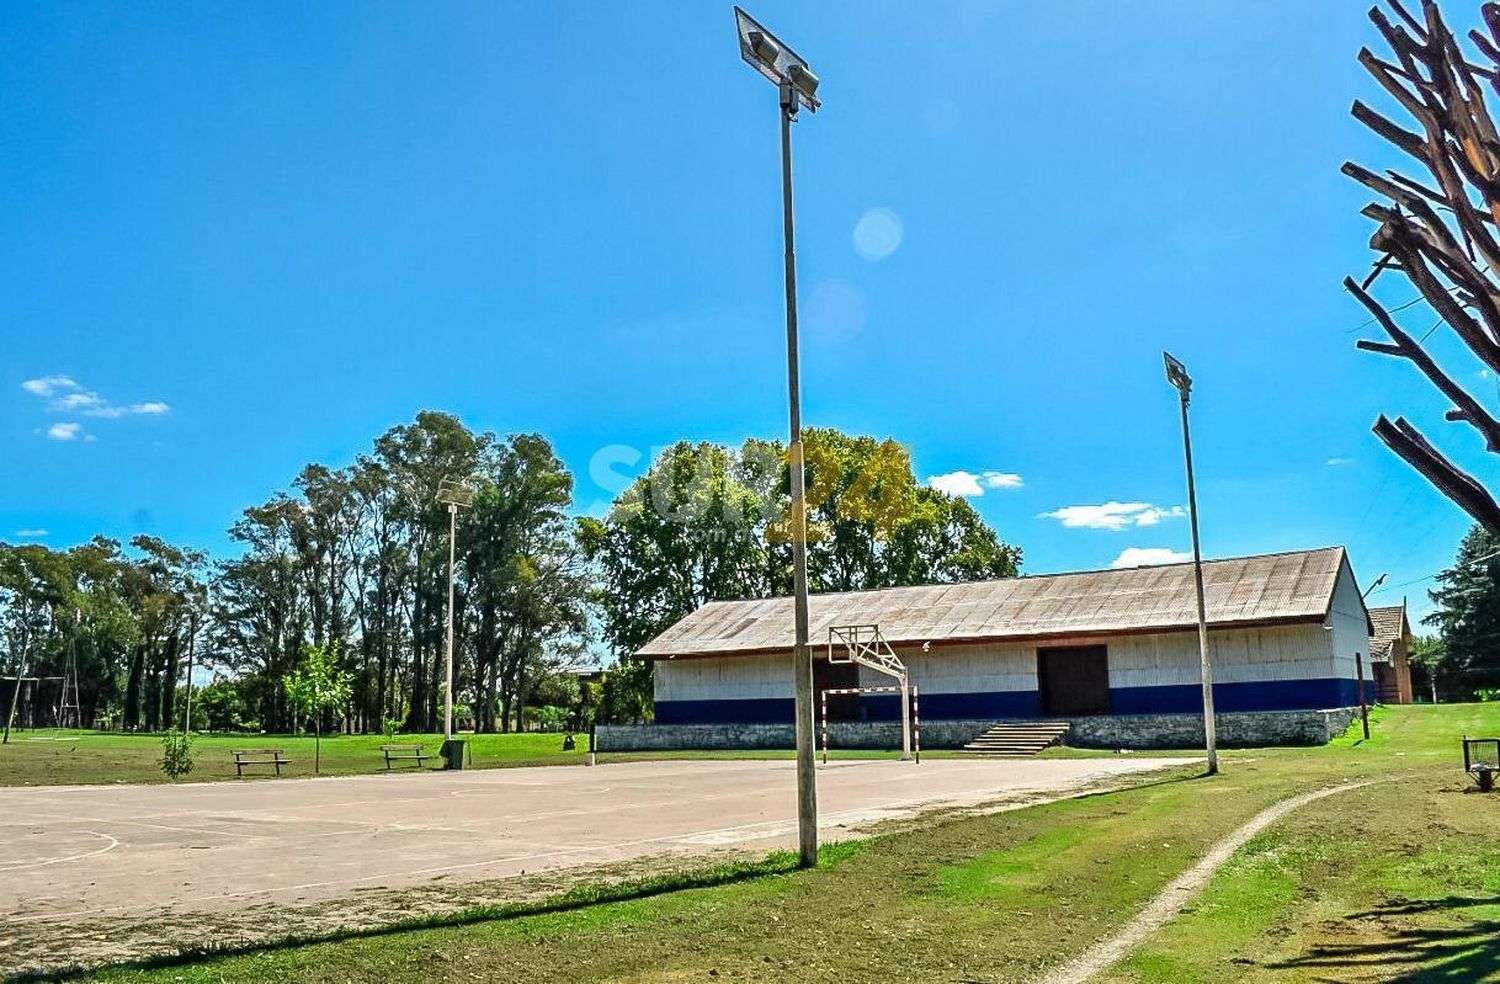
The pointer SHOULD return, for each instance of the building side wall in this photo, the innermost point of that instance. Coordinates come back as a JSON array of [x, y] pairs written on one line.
[[1266, 669], [1349, 633]]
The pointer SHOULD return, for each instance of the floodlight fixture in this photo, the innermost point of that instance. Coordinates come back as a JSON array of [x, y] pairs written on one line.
[[455, 492], [770, 56], [1177, 375], [763, 48], [803, 79]]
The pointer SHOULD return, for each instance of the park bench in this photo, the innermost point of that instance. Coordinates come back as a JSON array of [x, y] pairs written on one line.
[[404, 753], [258, 756]]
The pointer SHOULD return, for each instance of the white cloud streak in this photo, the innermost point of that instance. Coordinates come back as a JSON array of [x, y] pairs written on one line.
[[64, 395], [1114, 515], [30, 534], [973, 484], [1149, 556], [47, 385], [1339, 462]]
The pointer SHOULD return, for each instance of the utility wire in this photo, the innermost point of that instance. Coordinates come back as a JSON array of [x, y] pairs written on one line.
[[1428, 577]]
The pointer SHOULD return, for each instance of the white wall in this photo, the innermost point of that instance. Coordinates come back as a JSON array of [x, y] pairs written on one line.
[[1160, 659], [723, 678], [1350, 626]]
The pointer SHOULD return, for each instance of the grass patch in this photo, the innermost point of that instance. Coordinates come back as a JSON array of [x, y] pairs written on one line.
[[585, 908], [53, 757]]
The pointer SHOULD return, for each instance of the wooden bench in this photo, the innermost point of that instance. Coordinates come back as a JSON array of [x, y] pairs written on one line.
[[404, 753], [258, 756]]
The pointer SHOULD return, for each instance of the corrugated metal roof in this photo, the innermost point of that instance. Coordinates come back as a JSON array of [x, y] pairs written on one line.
[[1388, 623], [1268, 588]]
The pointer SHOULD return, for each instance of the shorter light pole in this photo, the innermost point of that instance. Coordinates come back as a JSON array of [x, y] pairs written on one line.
[[454, 493], [187, 710], [1177, 375]]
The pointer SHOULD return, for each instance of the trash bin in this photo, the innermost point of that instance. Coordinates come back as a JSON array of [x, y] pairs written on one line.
[[452, 753]]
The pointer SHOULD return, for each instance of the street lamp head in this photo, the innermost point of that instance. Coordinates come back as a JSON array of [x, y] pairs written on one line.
[[454, 492], [769, 55], [763, 48], [1177, 375], [805, 82]]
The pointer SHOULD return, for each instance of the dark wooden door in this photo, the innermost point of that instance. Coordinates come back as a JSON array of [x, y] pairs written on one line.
[[1073, 680], [837, 676]]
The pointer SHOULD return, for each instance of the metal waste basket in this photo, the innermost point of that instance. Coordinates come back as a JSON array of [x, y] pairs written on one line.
[[452, 753]]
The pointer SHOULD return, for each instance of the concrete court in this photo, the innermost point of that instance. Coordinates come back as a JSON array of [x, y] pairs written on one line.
[[74, 852]]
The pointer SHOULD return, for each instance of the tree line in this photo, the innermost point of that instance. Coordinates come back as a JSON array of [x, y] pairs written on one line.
[[354, 560], [1462, 662]]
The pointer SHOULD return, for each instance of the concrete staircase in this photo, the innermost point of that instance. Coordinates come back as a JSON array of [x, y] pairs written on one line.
[[1018, 739]]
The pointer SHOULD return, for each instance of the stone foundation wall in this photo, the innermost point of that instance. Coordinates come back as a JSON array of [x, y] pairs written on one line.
[[1242, 729], [841, 734], [1109, 731]]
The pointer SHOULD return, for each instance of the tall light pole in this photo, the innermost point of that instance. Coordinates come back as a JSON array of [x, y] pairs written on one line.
[[1177, 375], [454, 493], [797, 86]]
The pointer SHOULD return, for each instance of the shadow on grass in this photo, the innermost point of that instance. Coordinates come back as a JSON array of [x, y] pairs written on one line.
[[584, 896], [1417, 955], [1180, 776]]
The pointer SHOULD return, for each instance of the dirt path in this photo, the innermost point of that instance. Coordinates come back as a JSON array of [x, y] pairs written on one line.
[[1106, 953]]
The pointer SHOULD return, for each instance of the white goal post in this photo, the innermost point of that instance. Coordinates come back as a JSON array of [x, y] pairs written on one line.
[[864, 645], [912, 751]]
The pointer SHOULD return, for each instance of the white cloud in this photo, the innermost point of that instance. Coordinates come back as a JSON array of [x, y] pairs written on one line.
[[64, 395], [47, 385], [1147, 556], [971, 484], [30, 534], [1337, 462], [1114, 515]]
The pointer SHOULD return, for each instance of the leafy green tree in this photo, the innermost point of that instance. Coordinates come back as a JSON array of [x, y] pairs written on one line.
[[525, 590], [220, 706], [1427, 656], [1468, 617], [318, 687], [708, 523], [177, 754]]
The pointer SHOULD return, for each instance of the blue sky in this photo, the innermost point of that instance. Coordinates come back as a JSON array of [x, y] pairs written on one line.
[[256, 235]]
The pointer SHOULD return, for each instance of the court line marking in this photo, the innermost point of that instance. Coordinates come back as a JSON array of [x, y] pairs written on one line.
[[21, 865], [698, 837]]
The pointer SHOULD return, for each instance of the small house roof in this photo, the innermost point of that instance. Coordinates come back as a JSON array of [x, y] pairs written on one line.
[[1264, 589], [1387, 624]]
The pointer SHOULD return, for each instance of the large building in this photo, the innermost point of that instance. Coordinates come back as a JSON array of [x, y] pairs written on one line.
[[1115, 652]]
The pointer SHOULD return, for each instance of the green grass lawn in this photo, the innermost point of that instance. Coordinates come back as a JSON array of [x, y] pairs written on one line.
[[54, 757], [1399, 880]]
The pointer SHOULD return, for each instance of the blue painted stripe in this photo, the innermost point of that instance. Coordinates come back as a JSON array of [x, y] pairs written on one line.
[[1266, 695], [1259, 695], [955, 707]]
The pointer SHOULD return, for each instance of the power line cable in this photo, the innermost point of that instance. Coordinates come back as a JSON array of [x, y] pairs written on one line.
[[1428, 577]]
